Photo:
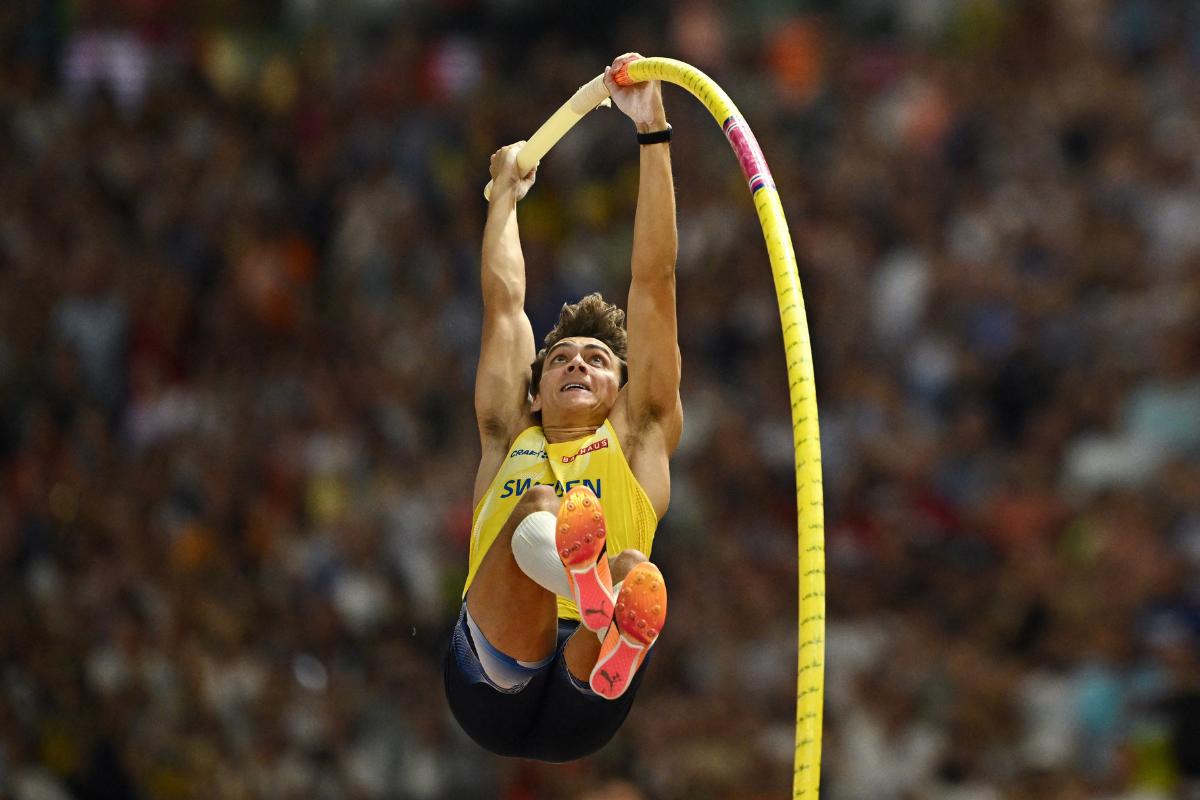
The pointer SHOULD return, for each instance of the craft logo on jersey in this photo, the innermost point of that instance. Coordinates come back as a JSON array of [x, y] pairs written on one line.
[[600, 445], [537, 453]]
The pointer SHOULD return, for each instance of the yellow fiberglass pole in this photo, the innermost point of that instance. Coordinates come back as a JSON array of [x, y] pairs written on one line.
[[810, 674]]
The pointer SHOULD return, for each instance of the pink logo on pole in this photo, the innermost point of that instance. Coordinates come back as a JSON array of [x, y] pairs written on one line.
[[749, 154]]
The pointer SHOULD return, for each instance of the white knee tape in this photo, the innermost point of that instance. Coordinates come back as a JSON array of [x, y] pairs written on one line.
[[536, 554]]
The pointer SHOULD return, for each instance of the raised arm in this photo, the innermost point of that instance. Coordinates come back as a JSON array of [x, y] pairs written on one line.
[[653, 409], [507, 349]]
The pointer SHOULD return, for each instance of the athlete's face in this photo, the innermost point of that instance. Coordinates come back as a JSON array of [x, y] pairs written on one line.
[[580, 381]]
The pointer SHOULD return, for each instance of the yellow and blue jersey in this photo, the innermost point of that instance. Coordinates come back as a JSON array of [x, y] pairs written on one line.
[[595, 461]]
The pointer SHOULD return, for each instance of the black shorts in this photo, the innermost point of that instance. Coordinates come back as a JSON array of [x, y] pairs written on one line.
[[553, 718]]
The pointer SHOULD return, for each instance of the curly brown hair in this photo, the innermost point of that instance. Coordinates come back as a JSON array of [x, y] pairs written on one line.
[[592, 317]]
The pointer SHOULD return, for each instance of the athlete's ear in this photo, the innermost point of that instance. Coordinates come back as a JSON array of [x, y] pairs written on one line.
[[536, 405]]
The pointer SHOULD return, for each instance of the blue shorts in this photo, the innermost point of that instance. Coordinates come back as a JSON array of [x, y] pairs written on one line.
[[552, 718]]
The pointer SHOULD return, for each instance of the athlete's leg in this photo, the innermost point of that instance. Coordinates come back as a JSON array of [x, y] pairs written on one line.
[[518, 617], [574, 721], [583, 647]]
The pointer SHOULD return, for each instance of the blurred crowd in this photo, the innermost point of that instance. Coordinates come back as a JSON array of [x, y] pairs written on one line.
[[239, 322]]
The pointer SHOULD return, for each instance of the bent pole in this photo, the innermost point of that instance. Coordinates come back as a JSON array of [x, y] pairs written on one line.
[[810, 667]]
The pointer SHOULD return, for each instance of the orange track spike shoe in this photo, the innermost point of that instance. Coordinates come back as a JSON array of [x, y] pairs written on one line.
[[579, 537], [640, 614]]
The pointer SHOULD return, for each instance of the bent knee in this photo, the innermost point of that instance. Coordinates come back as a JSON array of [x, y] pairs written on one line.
[[537, 498], [624, 561]]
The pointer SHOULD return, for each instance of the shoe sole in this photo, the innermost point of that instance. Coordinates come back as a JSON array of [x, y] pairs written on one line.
[[640, 613], [579, 537]]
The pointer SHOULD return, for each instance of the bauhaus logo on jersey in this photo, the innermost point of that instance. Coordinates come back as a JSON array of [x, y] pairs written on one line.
[[600, 445], [518, 486]]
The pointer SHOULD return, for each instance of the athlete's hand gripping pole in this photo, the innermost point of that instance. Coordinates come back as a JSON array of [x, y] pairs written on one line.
[[587, 97]]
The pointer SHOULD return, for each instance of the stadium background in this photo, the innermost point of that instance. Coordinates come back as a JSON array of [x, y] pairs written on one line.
[[238, 326]]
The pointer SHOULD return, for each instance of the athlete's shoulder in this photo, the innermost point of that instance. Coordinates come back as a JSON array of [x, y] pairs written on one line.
[[530, 433], [492, 463], [529, 442], [647, 452]]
